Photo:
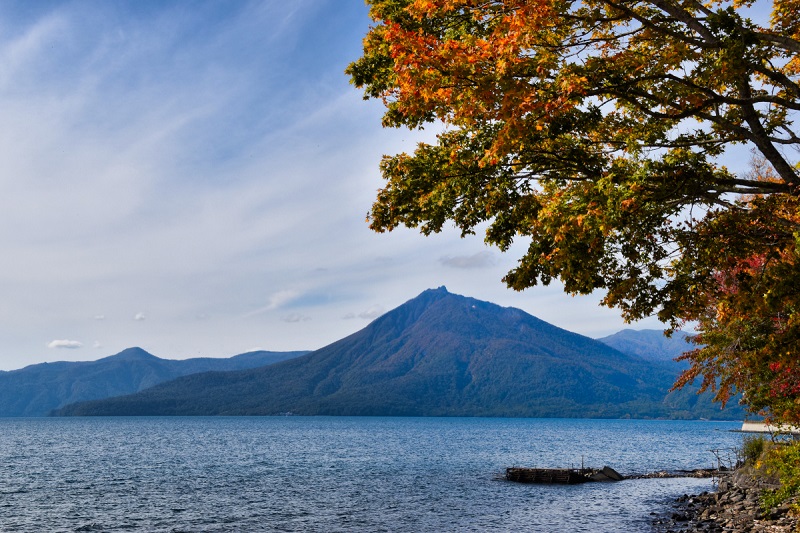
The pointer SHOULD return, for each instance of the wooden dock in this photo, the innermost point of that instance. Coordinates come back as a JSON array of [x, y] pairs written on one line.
[[562, 476]]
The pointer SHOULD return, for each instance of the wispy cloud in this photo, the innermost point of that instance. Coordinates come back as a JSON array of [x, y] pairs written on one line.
[[295, 317], [371, 313], [281, 298], [275, 301], [207, 160], [483, 259]]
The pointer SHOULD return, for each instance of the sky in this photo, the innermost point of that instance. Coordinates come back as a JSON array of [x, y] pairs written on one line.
[[193, 178]]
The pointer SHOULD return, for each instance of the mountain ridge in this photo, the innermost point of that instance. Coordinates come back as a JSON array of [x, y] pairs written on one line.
[[37, 389], [652, 345], [438, 354]]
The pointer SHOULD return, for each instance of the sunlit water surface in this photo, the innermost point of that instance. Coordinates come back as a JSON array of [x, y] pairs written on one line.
[[340, 474]]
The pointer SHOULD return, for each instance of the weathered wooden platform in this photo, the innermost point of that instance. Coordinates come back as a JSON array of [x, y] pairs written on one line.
[[566, 476], [563, 476]]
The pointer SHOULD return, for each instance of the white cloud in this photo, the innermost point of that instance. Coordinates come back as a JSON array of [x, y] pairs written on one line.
[[295, 317], [281, 298], [139, 316], [275, 301], [373, 312], [97, 345], [483, 259], [64, 343], [207, 178]]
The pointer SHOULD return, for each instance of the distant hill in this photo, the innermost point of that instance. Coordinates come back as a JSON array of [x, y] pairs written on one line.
[[650, 344], [438, 354], [38, 389]]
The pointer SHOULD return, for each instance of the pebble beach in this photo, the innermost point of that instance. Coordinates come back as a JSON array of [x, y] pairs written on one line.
[[733, 507]]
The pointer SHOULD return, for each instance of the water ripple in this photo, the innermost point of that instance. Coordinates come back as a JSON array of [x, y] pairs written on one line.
[[338, 474]]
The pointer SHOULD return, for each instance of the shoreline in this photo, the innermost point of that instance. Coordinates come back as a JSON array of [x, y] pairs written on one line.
[[733, 507]]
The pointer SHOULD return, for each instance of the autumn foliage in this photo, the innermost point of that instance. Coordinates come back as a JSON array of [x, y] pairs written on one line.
[[596, 132], [749, 324]]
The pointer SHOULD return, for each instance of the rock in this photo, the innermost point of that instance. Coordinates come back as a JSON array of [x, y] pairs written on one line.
[[778, 512], [733, 508], [606, 474], [611, 473]]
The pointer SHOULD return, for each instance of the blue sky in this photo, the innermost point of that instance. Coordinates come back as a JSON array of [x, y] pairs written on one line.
[[193, 178]]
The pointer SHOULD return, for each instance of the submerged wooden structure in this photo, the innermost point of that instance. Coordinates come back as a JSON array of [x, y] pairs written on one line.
[[563, 476], [568, 476]]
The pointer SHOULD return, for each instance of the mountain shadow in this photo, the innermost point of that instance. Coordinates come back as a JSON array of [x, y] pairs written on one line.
[[438, 354]]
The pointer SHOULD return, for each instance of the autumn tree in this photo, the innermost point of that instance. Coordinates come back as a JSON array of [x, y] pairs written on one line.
[[596, 131], [747, 313]]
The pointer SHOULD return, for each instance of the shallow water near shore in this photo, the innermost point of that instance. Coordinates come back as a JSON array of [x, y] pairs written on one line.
[[341, 473]]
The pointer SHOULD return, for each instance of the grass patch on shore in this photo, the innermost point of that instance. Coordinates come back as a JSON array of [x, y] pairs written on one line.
[[753, 448], [783, 462]]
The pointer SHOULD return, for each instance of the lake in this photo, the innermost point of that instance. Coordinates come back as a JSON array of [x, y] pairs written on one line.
[[340, 473]]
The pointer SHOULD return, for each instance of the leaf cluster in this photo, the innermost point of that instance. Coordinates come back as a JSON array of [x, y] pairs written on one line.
[[747, 309]]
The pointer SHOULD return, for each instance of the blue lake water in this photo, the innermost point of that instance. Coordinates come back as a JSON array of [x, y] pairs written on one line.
[[340, 473]]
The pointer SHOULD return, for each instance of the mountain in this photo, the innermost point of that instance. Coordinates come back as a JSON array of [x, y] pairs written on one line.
[[38, 389], [651, 344], [438, 354]]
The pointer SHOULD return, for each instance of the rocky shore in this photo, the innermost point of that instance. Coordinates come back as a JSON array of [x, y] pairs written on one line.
[[734, 507]]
